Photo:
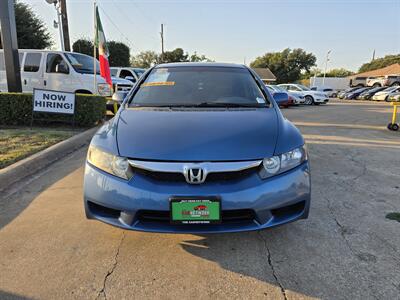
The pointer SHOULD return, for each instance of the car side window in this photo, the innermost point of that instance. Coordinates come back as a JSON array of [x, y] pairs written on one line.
[[56, 64], [32, 62], [293, 88], [113, 72], [127, 73]]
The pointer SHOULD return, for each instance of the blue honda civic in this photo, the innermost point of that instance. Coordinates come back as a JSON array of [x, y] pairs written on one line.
[[198, 148]]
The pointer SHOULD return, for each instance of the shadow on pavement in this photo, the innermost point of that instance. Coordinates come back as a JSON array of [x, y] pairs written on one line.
[[19, 197], [9, 296]]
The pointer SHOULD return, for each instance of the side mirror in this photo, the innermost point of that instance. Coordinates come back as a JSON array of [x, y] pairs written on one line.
[[280, 98], [130, 78], [119, 96]]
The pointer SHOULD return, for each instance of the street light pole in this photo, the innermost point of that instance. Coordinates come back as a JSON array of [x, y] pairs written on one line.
[[60, 29], [326, 66]]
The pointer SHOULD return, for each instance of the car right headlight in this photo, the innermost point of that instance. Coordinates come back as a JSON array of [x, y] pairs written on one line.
[[107, 162], [104, 89], [281, 163]]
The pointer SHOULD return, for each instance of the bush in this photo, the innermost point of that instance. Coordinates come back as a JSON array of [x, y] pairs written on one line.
[[16, 109]]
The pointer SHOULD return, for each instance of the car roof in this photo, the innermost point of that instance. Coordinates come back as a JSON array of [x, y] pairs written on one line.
[[200, 64], [131, 68]]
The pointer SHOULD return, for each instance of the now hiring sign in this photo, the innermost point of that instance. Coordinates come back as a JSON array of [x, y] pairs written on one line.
[[53, 102]]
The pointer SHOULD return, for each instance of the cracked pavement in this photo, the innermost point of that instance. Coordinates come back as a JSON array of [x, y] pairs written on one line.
[[347, 249]]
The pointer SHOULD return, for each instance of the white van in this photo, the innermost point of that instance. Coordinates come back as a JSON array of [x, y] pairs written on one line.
[[60, 71]]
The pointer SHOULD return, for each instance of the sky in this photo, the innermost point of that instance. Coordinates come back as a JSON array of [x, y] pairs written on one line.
[[239, 31]]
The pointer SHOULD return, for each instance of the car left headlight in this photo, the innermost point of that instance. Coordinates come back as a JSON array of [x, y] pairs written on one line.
[[104, 89], [278, 164], [112, 164]]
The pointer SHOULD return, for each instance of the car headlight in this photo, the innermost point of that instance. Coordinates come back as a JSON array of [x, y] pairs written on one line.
[[281, 163], [104, 89], [112, 164]]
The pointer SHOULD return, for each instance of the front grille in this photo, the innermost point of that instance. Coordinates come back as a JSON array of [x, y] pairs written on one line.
[[227, 216], [122, 87], [212, 177]]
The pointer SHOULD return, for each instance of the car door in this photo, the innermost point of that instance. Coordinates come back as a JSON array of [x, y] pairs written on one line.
[[32, 72], [57, 73]]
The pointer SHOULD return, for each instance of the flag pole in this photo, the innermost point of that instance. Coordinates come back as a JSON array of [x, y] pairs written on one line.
[[94, 47]]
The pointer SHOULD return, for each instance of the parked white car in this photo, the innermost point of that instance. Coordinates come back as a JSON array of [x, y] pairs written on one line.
[[60, 71], [311, 97], [129, 73], [298, 98], [331, 93], [385, 94]]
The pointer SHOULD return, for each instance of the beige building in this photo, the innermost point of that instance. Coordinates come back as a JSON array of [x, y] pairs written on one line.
[[389, 70]]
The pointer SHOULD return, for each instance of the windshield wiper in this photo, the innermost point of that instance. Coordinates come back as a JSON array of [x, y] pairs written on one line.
[[202, 104], [229, 104]]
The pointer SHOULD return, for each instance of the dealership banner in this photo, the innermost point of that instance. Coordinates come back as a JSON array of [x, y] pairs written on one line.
[[53, 102]]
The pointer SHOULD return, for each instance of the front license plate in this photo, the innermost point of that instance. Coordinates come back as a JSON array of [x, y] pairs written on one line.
[[195, 210]]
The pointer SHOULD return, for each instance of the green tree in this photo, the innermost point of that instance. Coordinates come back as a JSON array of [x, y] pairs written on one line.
[[340, 72], [380, 63], [287, 65], [119, 54], [32, 32], [84, 46], [177, 55], [199, 58], [145, 59]]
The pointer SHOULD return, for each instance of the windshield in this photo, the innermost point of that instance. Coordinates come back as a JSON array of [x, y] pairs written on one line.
[[139, 72], [199, 86], [278, 88], [303, 87], [82, 63], [391, 89]]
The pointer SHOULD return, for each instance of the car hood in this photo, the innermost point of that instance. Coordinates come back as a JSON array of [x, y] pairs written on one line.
[[197, 135], [117, 80], [318, 93]]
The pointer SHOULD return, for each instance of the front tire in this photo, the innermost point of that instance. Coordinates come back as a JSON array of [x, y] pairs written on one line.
[[309, 100]]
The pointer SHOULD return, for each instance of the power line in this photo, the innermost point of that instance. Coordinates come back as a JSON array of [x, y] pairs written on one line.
[[116, 27], [129, 18]]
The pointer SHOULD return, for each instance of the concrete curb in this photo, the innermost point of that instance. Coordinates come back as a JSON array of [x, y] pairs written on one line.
[[42, 159]]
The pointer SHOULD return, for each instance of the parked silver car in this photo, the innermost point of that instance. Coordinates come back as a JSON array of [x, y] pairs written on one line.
[[385, 94], [298, 98], [310, 97]]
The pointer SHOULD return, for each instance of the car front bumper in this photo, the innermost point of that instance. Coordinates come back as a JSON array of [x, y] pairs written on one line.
[[320, 99], [247, 204], [379, 97]]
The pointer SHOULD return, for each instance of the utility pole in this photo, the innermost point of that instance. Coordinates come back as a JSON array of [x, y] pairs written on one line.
[[10, 45], [162, 42], [64, 24], [326, 66]]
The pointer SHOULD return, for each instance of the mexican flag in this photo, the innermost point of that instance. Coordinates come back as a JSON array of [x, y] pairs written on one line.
[[101, 44]]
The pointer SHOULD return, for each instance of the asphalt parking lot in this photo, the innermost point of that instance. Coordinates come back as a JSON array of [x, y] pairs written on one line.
[[347, 249]]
